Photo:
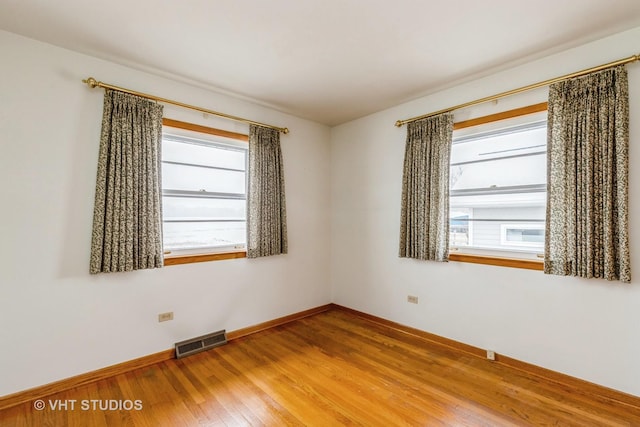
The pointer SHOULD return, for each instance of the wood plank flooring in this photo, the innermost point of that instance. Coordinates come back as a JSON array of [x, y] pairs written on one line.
[[331, 369]]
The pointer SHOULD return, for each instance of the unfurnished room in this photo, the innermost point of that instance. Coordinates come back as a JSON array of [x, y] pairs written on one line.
[[320, 213]]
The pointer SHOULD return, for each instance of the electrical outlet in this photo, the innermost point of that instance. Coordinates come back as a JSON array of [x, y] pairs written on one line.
[[412, 299], [491, 355], [163, 317]]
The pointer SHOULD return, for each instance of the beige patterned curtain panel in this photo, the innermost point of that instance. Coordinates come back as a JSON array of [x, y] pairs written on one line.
[[587, 208], [127, 219], [266, 216], [424, 227]]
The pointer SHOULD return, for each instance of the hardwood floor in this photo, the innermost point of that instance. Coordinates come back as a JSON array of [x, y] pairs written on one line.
[[334, 368]]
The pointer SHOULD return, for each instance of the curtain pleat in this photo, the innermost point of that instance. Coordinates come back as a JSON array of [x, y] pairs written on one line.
[[587, 198], [266, 213], [127, 219], [424, 226]]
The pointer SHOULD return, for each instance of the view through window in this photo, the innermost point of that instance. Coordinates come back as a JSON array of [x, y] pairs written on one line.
[[498, 186], [204, 192]]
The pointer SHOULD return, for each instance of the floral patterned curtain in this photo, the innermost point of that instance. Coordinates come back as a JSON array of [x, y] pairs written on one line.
[[424, 227], [267, 216], [587, 208], [127, 218]]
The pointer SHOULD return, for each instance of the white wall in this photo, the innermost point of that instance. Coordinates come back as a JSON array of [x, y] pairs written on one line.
[[585, 328], [56, 320]]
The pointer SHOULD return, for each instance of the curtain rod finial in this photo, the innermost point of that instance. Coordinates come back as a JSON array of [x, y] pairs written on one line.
[[91, 82], [399, 123], [285, 131]]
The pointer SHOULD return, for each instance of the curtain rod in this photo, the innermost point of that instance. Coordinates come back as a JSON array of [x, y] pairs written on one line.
[[93, 83], [633, 58]]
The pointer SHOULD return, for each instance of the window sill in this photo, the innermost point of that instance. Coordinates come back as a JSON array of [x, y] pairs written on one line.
[[191, 258], [528, 264]]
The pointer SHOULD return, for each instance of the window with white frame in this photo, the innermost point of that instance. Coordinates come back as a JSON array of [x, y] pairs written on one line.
[[204, 192], [523, 235], [498, 187]]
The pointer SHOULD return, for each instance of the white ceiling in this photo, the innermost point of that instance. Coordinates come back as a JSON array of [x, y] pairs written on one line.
[[327, 60]]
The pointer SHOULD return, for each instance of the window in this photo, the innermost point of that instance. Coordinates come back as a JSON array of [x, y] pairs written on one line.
[[498, 185], [204, 191], [531, 235]]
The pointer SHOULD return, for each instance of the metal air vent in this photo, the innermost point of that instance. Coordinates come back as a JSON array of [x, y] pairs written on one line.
[[198, 344]]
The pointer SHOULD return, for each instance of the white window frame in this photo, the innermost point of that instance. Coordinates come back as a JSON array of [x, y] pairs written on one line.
[[519, 226]]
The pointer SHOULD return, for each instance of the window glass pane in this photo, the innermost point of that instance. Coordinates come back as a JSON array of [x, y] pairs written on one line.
[[478, 221], [524, 235], [193, 178], [194, 164], [497, 173], [194, 235], [498, 198], [192, 208], [459, 227], [521, 140], [202, 154]]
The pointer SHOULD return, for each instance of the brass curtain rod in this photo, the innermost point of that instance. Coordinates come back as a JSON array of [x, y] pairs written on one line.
[[633, 58], [91, 82]]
